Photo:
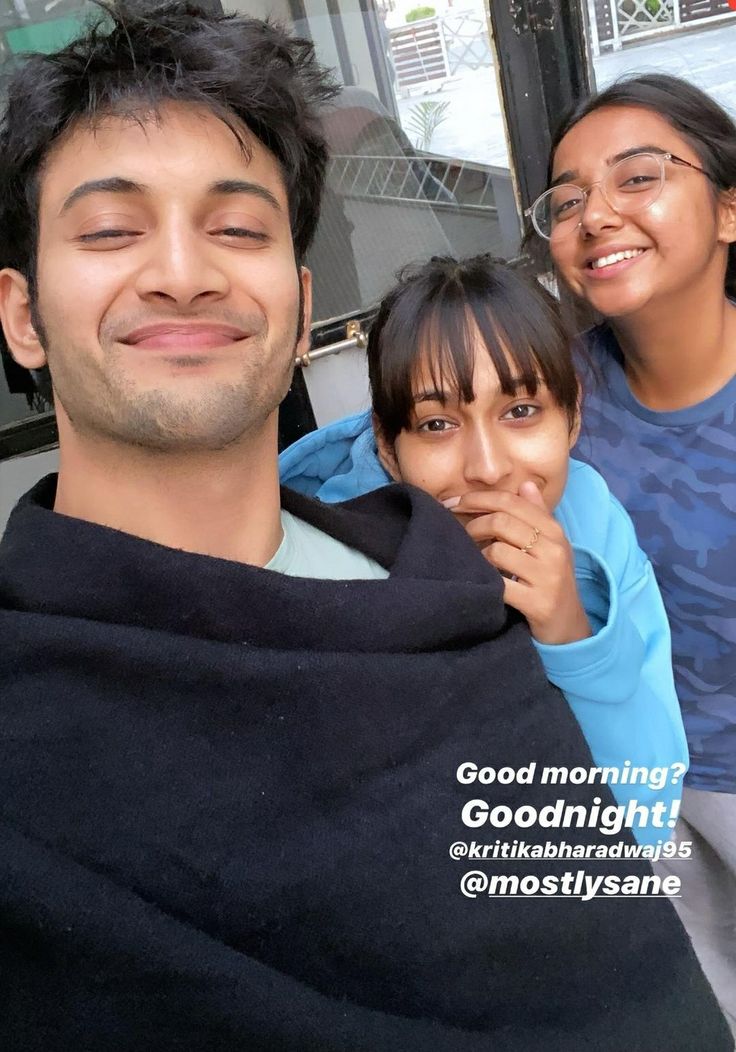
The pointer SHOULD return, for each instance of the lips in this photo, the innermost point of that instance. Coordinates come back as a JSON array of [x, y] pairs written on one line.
[[181, 336]]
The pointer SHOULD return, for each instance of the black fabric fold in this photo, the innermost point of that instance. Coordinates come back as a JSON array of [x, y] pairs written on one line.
[[227, 800], [99, 574]]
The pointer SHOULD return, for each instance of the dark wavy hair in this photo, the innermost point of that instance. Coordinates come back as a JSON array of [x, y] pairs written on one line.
[[137, 56], [694, 115], [433, 313]]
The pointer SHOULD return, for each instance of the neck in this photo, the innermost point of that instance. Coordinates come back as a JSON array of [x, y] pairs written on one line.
[[677, 356], [224, 504]]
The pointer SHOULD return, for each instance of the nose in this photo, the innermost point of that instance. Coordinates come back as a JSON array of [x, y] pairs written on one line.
[[487, 461], [181, 266], [598, 215]]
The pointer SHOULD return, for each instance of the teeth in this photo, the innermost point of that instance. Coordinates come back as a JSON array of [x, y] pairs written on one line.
[[616, 257]]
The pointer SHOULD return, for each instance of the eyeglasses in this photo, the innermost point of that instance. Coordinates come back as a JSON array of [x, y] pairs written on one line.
[[629, 186]]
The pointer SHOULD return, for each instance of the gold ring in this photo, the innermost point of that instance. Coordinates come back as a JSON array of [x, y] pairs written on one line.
[[532, 542]]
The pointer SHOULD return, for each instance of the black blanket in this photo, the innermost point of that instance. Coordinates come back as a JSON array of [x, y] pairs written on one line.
[[227, 799]]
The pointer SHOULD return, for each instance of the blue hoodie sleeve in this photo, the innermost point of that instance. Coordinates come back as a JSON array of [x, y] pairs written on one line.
[[619, 682]]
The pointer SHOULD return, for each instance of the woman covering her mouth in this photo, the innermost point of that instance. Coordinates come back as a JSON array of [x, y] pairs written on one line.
[[640, 218], [475, 400]]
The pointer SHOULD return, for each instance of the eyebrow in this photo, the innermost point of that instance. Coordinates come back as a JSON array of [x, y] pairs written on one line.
[[430, 396], [566, 177], [117, 185], [517, 383]]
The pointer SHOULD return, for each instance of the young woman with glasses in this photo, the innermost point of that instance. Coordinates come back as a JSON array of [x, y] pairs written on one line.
[[475, 400], [640, 219]]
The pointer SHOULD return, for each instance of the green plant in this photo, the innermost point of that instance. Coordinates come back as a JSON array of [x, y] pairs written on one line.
[[655, 7], [424, 120], [417, 13]]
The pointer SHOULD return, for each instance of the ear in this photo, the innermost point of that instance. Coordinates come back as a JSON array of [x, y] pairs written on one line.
[[305, 277], [727, 216], [386, 452], [15, 315]]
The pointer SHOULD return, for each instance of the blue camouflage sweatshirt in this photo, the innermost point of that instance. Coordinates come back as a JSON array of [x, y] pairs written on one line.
[[674, 473], [619, 682]]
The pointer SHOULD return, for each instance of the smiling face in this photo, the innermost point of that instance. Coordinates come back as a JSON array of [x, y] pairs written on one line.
[[621, 264], [495, 442], [168, 291]]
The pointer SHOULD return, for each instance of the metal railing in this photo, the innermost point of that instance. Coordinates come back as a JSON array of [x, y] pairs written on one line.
[[356, 339], [614, 23], [430, 177], [434, 49]]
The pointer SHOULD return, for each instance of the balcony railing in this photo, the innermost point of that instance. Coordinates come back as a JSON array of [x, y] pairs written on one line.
[[613, 23], [428, 177]]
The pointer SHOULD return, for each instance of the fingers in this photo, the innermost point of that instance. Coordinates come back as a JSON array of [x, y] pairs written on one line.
[[491, 515], [533, 512], [545, 563], [501, 526], [518, 595], [519, 536], [553, 619], [513, 562], [530, 491]]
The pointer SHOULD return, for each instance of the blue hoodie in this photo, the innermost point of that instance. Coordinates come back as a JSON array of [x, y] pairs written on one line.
[[619, 682]]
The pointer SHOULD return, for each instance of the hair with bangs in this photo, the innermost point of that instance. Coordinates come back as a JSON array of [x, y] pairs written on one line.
[[433, 315]]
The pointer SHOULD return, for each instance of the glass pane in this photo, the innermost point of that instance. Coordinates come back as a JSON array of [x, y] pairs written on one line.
[[13, 404], [30, 25], [419, 162], [692, 39]]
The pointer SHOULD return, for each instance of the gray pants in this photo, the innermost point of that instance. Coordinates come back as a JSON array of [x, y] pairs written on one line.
[[708, 904]]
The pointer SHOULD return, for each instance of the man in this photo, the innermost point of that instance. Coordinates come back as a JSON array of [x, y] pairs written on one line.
[[229, 787]]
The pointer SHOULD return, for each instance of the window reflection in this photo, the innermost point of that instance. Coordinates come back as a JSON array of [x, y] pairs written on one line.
[[418, 155], [692, 39]]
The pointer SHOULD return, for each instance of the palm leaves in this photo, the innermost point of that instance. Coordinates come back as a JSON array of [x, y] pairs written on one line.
[[424, 120]]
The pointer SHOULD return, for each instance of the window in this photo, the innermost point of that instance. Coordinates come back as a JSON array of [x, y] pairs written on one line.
[[692, 39]]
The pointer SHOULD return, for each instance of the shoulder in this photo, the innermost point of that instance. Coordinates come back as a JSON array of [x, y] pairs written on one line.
[[593, 519], [586, 503]]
